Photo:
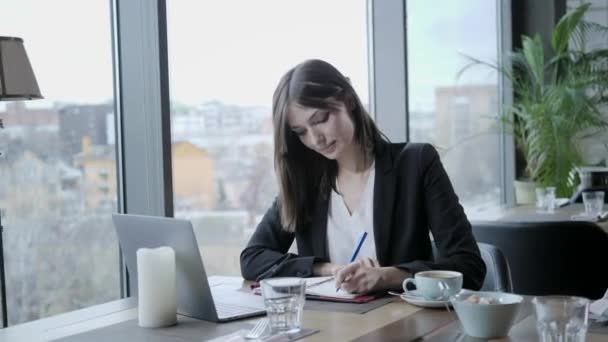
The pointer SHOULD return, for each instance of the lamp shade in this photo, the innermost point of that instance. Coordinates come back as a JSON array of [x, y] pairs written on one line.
[[17, 80]]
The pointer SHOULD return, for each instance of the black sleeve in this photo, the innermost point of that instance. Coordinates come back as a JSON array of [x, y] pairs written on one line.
[[266, 253], [458, 250]]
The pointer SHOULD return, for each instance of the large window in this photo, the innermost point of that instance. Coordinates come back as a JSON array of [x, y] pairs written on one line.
[[457, 114], [594, 148], [58, 173], [226, 57]]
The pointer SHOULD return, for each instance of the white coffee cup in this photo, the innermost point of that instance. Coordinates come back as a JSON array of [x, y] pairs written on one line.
[[434, 285]]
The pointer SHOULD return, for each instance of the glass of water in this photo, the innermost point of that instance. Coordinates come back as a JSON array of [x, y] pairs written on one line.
[[561, 318], [594, 202], [284, 300], [545, 200], [540, 198]]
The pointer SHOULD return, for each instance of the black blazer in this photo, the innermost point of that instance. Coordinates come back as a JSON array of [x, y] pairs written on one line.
[[412, 194]]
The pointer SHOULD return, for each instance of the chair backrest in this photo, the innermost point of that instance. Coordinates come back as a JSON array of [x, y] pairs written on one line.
[[498, 275], [565, 258]]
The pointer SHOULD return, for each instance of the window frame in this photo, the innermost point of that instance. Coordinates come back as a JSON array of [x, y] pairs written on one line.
[[142, 107]]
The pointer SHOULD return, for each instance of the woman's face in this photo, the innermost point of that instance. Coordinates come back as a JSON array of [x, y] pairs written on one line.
[[328, 132]]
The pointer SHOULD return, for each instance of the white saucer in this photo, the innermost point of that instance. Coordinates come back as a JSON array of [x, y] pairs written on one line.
[[414, 299], [584, 217]]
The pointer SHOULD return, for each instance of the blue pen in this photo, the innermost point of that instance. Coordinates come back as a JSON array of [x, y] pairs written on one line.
[[356, 251]]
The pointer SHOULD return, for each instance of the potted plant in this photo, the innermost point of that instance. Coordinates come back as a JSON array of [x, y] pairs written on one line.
[[560, 97]]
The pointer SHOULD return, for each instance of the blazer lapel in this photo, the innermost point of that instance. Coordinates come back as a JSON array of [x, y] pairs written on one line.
[[318, 231], [384, 193]]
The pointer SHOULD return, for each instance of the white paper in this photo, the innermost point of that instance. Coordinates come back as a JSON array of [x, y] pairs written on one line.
[[157, 305], [326, 287], [321, 286]]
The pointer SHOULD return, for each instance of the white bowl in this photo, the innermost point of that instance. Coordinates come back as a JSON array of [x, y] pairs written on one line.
[[487, 320]]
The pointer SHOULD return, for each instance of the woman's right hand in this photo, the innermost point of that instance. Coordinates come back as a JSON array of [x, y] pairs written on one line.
[[368, 262], [362, 276], [326, 269]]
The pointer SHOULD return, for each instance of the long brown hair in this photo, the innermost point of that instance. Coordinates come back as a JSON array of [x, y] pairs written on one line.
[[305, 176]]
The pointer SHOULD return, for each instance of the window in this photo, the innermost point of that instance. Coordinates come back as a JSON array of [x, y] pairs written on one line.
[[225, 59], [597, 13], [457, 114], [58, 177], [595, 148]]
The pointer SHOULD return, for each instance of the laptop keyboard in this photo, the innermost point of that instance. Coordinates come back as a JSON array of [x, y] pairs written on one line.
[[229, 310]]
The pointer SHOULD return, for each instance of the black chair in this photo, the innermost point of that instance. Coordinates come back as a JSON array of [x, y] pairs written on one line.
[[498, 275], [565, 258]]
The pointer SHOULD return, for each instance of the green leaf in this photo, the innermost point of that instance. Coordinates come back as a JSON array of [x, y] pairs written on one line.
[[564, 28], [535, 57]]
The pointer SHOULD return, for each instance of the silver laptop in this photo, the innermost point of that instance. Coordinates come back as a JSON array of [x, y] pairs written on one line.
[[195, 298]]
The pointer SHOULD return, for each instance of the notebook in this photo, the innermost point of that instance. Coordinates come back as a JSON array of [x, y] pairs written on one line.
[[324, 288]]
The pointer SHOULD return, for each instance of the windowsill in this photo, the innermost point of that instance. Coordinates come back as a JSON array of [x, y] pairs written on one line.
[[45, 326]]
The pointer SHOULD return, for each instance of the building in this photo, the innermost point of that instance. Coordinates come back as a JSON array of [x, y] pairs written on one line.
[[194, 183], [79, 121], [463, 111], [98, 167], [466, 120], [215, 119], [30, 186], [18, 119]]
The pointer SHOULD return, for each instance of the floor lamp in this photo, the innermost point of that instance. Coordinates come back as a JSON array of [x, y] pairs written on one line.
[[17, 83]]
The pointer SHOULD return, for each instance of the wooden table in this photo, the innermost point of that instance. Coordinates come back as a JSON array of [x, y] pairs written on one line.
[[528, 213], [396, 321]]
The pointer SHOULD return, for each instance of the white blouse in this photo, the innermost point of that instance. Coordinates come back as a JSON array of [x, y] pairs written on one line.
[[344, 229]]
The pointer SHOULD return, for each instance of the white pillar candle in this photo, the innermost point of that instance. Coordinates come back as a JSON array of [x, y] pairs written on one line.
[[156, 287]]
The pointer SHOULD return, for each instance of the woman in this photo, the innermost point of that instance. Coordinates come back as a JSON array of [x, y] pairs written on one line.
[[339, 177]]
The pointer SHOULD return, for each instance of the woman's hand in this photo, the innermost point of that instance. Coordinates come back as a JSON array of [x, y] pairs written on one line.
[[328, 269], [361, 276], [325, 269], [364, 276]]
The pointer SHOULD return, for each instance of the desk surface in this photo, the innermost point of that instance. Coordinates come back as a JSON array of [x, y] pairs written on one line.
[[528, 213], [394, 321]]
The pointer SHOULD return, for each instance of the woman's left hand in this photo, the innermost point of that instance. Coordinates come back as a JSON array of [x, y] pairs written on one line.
[[361, 276]]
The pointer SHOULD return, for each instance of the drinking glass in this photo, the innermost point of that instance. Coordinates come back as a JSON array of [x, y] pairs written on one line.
[[284, 300], [550, 199], [540, 198], [545, 199], [561, 318], [594, 202]]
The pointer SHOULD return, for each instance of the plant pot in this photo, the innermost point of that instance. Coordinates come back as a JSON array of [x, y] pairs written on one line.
[[525, 192]]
